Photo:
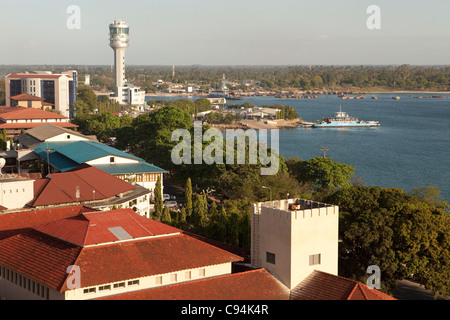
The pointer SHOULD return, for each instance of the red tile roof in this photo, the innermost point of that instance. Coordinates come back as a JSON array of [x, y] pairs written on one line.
[[30, 125], [94, 228], [38, 256], [22, 113], [37, 76], [324, 286], [147, 257], [250, 285], [26, 97], [12, 223], [44, 253], [61, 187]]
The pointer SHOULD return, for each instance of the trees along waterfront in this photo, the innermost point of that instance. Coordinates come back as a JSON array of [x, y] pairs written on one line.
[[404, 234]]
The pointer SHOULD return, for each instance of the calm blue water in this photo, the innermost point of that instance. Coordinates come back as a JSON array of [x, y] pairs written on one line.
[[410, 149]]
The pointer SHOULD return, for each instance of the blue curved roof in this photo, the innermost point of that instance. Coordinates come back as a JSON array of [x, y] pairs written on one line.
[[68, 155]]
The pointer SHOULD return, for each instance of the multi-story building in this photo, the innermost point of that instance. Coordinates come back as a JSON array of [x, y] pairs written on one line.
[[59, 91]]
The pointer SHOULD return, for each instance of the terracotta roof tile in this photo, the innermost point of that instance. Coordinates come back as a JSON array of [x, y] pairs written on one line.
[[62, 187], [250, 285], [324, 286], [147, 257], [44, 252], [20, 113], [30, 125], [39, 257], [26, 97], [12, 223], [37, 76]]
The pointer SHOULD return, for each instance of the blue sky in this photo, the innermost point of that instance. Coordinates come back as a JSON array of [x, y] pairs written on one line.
[[229, 32]]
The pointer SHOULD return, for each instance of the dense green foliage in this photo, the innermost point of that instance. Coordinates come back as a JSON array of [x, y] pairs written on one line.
[[395, 231]]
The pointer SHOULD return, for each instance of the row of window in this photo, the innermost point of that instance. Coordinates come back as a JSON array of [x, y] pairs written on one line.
[[145, 177], [24, 282], [34, 120], [11, 190], [158, 281], [314, 259], [108, 286]]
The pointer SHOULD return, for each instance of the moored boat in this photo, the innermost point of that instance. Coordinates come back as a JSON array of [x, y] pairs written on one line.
[[341, 120]]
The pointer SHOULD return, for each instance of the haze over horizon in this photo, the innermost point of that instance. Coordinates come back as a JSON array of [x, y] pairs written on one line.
[[231, 33]]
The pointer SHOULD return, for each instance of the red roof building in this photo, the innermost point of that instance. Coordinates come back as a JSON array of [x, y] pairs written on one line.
[[90, 186], [256, 284], [324, 286], [16, 119], [121, 256], [116, 252]]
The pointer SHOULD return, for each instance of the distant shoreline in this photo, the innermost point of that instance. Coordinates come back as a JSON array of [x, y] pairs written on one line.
[[165, 94]]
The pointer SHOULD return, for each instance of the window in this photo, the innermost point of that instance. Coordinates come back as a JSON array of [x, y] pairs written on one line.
[[270, 257], [173, 277], [105, 287], [188, 275], [133, 283], [119, 285], [89, 290], [112, 159], [158, 280], [201, 272], [314, 259], [68, 136]]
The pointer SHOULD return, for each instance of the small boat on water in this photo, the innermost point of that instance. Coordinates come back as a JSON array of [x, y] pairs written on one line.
[[341, 120], [396, 98]]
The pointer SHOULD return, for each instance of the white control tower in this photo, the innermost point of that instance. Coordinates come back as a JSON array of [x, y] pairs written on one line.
[[119, 42], [124, 93]]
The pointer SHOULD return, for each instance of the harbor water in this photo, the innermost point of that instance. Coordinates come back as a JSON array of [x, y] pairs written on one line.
[[411, 148]]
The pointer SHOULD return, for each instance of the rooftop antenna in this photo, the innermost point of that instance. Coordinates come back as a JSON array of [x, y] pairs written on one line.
[[325, 149]]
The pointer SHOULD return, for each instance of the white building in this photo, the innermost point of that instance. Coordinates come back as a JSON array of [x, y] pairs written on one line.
[[293, 238], [15, 193], [60, 90]]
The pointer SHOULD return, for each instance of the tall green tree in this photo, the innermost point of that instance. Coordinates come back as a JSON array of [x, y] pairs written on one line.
[[86, 95], [158, 199], [166, 218], [3, 140], [198, 213], [188, 198]]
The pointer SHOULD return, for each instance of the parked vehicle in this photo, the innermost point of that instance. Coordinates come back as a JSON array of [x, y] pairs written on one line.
[[171, 204]]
